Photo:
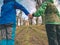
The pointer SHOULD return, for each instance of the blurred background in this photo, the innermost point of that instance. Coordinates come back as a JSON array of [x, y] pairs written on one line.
[[31, 6]]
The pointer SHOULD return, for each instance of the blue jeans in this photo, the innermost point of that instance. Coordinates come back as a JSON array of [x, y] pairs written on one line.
[[7, 34]]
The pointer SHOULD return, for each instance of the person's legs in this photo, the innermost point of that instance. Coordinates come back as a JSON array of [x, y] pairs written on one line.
[[51, 34], [58, 33], [11, 34], [3, 40]]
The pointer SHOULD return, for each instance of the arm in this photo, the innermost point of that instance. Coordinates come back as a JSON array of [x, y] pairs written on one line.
[[19, 6], [41, 10]]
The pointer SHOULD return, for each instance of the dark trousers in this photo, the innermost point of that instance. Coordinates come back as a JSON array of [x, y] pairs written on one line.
[[53, 34]]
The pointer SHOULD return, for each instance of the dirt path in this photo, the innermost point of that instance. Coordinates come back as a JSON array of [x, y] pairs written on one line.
[[31, 36]]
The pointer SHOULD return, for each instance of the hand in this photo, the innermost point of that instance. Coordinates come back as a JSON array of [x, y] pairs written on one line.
[[30, 16], [33, 14]]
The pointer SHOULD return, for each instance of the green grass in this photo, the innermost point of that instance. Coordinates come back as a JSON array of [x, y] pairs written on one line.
[[31, 35]]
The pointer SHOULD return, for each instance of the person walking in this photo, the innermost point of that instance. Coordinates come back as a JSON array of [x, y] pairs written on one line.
[[8, 21], [52, 21]]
